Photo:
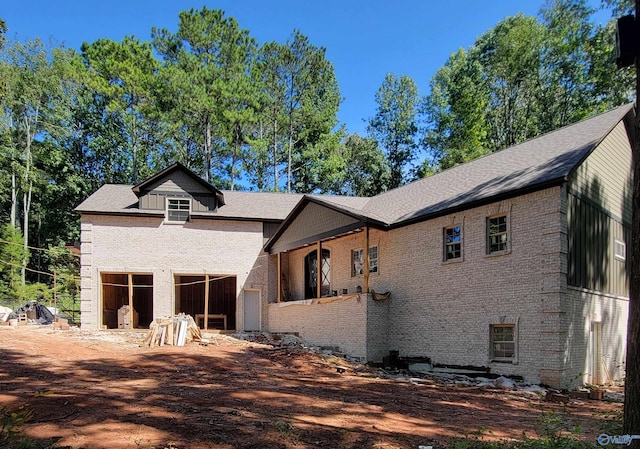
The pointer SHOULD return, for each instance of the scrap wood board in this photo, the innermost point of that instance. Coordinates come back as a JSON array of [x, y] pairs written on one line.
[[176, 331]]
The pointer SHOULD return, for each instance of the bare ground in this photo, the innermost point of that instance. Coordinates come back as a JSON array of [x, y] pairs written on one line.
[[107, 390]]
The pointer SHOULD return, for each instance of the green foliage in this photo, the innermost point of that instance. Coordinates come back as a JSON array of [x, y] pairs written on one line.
[[522, 78], [10, 422], [301, 98], [367, 172], [3, 32], [12, 255], [395, 124], [206, 85], [123, 74], [286, 429]]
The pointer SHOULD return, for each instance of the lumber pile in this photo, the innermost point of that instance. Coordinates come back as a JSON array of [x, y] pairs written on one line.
[[174, 331]]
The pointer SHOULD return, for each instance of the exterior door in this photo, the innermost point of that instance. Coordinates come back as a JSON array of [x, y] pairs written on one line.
[[595, 353], [311, 274], [251, 307]]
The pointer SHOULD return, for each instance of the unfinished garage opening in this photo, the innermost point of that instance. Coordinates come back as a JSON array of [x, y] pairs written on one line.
[[127, 289], [214, 293]]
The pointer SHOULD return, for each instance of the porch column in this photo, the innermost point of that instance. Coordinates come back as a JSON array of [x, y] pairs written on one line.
[[279, 277], [130, 282], [319, 270], [206, 301], [365, 287]]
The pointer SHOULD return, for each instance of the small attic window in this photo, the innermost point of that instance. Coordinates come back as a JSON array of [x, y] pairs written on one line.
[[178, 210], [620, 250]]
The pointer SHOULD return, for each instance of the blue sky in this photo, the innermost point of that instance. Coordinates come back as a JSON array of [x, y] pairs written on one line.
[[365, 39]]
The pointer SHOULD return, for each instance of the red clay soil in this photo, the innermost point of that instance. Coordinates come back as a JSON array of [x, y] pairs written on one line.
[[105, 389]]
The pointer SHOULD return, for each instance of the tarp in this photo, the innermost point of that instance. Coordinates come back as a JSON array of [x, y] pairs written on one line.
[[35, 312]]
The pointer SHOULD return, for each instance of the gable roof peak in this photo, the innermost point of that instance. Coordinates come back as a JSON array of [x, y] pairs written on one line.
[[177, 166]]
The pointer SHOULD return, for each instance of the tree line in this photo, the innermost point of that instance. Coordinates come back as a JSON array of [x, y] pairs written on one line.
[[263, 117]]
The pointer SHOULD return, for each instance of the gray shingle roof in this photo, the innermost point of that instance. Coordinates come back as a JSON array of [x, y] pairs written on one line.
[[120, 199], [111, 198], [546, 160], [542, 161]]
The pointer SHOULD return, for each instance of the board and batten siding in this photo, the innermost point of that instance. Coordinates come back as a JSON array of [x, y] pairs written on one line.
[[199, 203], [599, 215], [178, 185]]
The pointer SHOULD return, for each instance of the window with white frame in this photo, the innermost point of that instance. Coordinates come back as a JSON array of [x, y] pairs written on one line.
[[497, 234], [452, 243], [357, 261], [178, 209], [503, 342]]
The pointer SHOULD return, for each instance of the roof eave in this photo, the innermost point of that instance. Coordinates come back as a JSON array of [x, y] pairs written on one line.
[[480, 202]]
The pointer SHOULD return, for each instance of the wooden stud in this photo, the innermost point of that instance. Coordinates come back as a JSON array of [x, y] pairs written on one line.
[[206, 302], [279, 277], [130, 277], [319, 270], [366, 260]]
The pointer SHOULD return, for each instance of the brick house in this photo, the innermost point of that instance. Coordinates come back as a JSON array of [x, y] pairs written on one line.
[[514, 263]]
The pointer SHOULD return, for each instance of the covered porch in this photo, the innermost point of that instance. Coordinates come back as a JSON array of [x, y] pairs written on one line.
[[324, 260]]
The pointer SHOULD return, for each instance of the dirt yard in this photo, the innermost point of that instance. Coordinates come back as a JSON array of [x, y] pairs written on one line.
[[107, 390]]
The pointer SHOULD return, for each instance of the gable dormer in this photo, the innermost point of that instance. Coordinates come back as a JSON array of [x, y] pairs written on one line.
[[179, 192]]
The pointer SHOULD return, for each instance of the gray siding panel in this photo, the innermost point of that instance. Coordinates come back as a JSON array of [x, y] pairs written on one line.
[[592, 237], [599, 214], [605, 176], [312, 221], [180, 183]]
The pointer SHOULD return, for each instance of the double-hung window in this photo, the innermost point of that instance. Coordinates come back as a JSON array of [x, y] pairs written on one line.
[[357, 261], [178, 209], [452, 243], [503, 342], [619, 250], [497, 234]]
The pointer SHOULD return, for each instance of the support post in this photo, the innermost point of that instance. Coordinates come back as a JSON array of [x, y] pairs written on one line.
[[365, 287], [319, 270], [279, 277], [206, 301], [131, 321]]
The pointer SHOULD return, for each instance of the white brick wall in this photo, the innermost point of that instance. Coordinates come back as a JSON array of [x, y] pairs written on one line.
[[344, 323], [444, 310], [148, 245], [437, 309]]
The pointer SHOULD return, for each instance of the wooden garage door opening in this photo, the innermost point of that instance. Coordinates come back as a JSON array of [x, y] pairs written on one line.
[[118, 289], [218, 292]]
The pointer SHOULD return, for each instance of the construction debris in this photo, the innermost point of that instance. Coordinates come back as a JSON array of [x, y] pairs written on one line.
[[173, 331]]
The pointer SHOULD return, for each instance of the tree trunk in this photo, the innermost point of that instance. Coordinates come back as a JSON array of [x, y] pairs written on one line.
[[275, 155], [207, 151], [632, 382], [14, 199], [27, 191], [290, 152]]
